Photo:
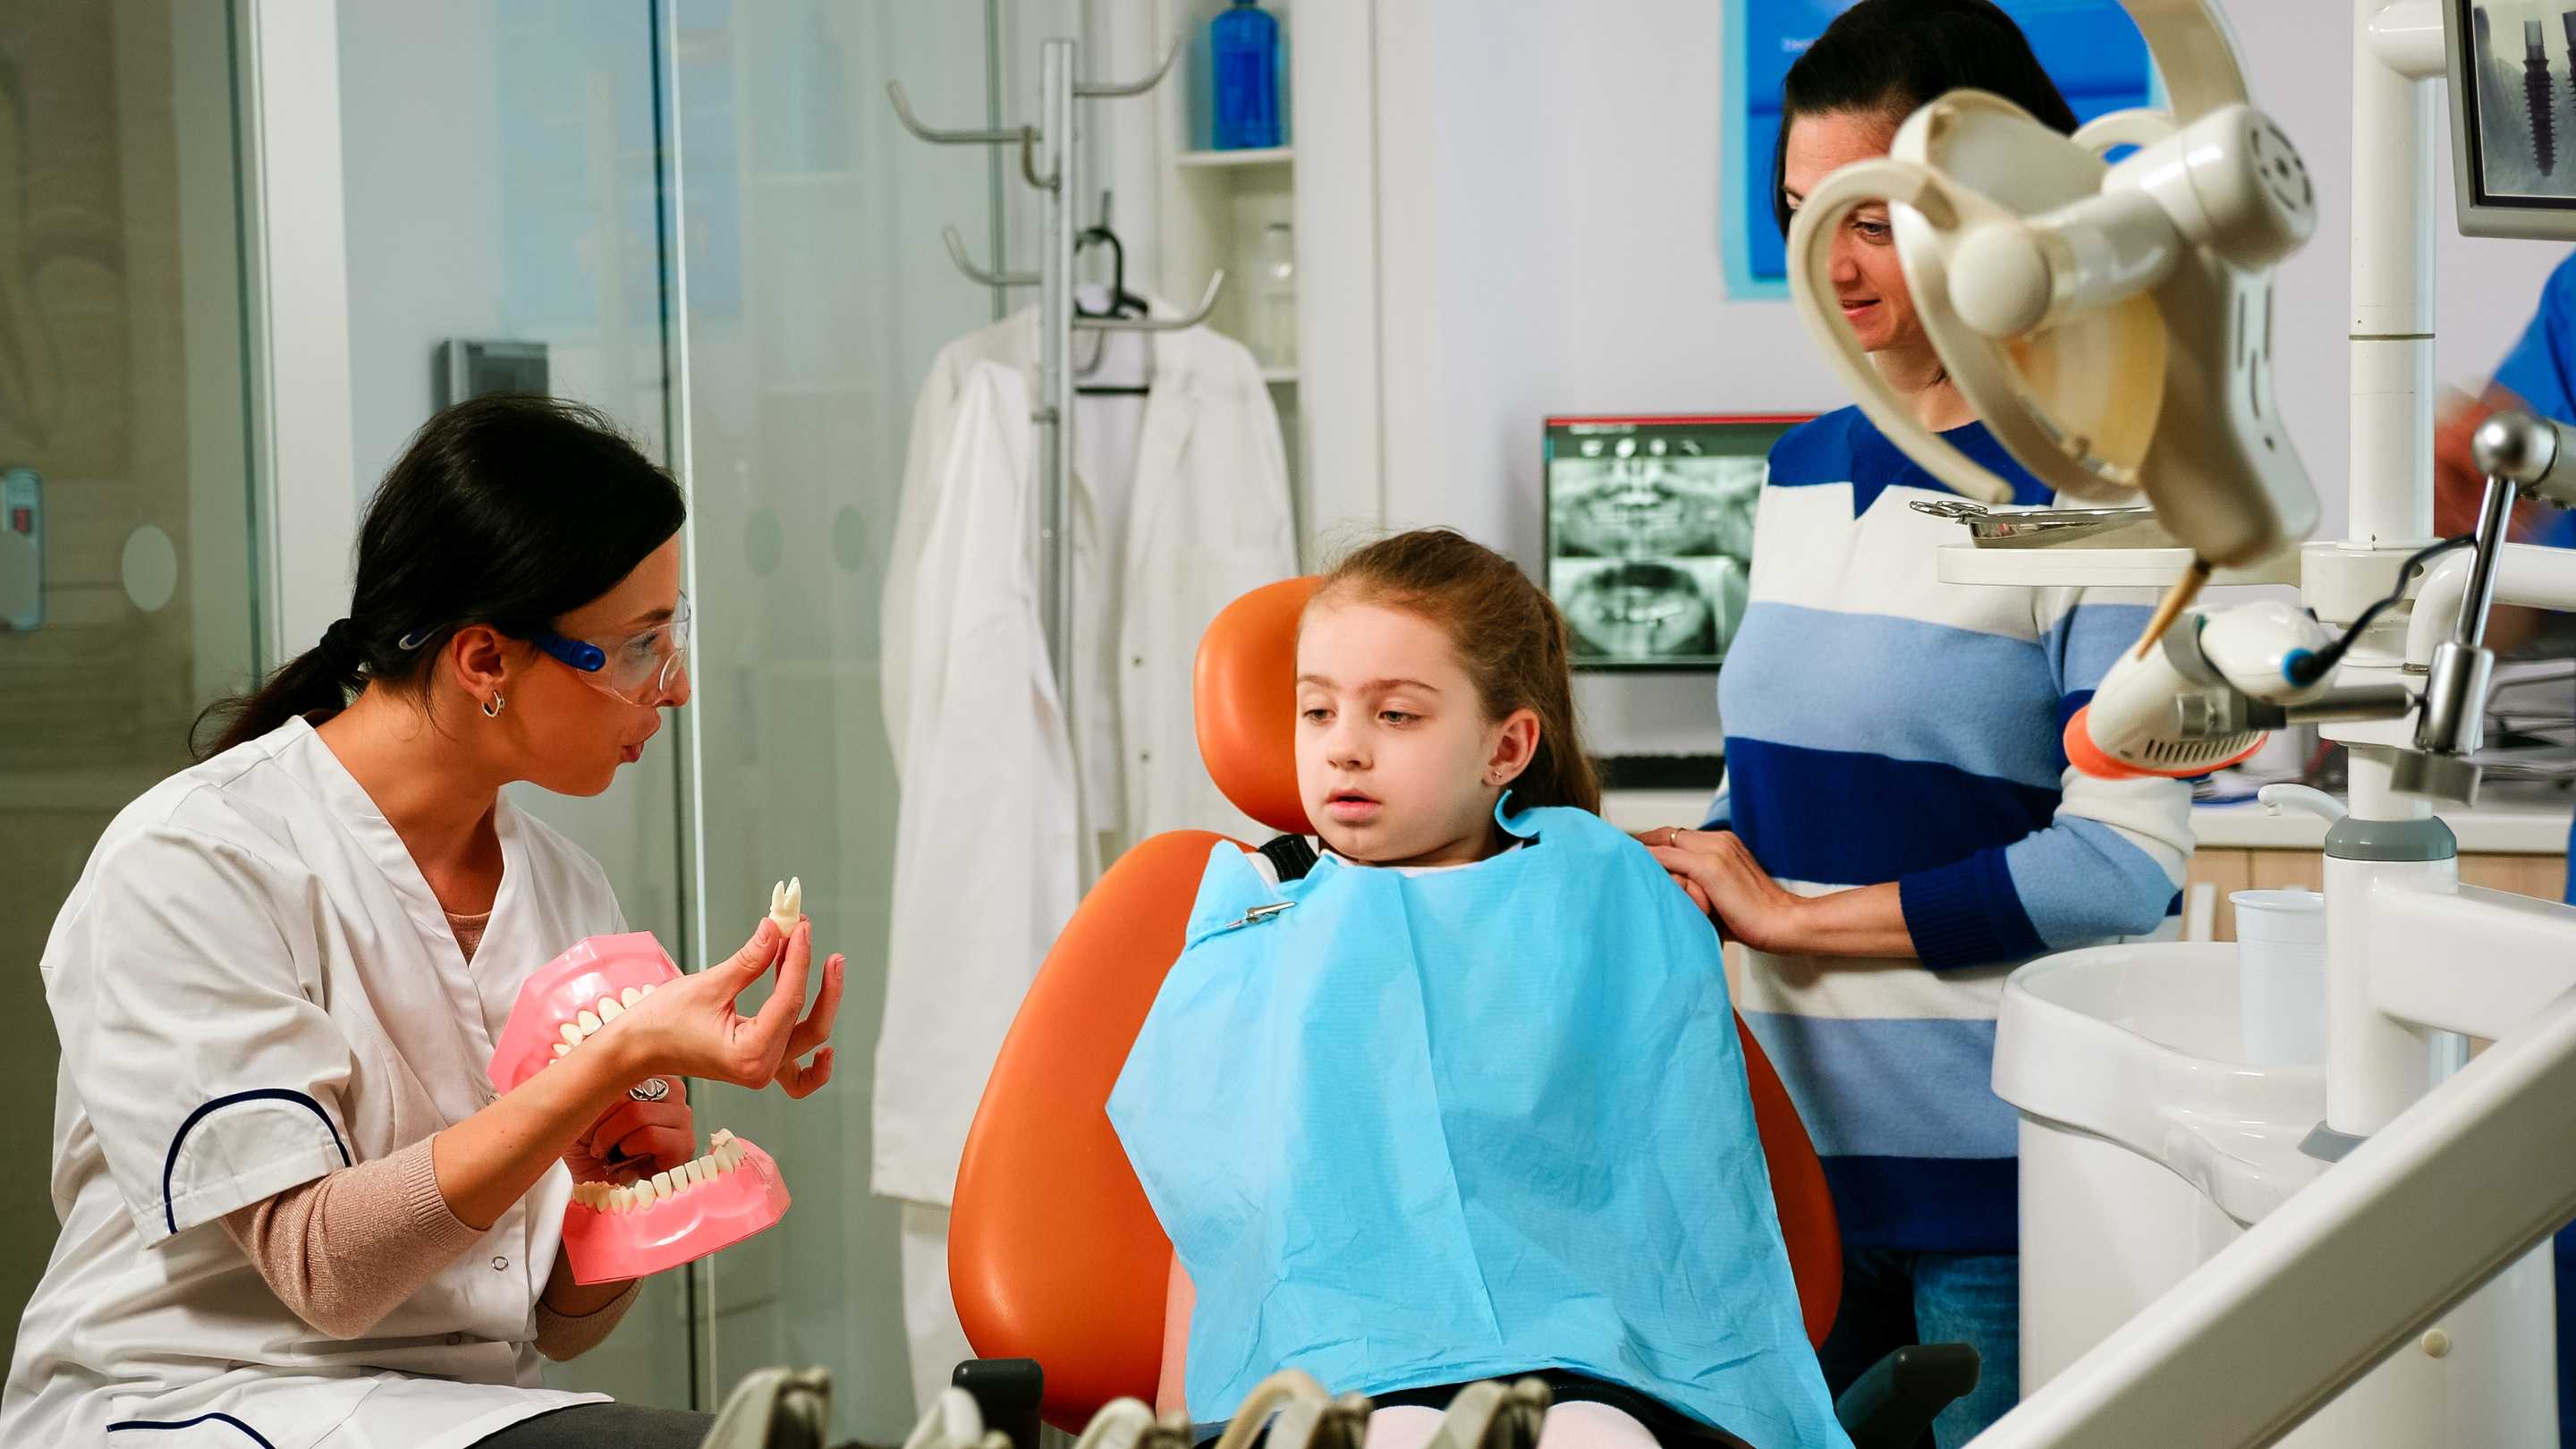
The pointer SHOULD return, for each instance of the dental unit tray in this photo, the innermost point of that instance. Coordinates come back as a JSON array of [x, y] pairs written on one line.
[[2052, 527], [612, 1232]]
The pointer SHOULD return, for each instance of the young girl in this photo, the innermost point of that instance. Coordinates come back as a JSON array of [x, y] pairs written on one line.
[[1466, 1101]]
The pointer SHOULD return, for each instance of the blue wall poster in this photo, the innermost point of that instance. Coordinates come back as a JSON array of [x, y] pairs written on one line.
[[2089, 47]]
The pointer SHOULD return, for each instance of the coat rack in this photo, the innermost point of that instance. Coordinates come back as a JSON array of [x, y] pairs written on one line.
[[1050, 154]]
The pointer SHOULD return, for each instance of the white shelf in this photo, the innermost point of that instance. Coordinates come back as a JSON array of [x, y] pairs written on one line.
[[1232, 160], [2149, 568], [2508, 820], [1279, 376]]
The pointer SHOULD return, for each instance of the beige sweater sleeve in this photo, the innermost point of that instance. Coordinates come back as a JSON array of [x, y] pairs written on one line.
[[345, 1249], [560, 1338]]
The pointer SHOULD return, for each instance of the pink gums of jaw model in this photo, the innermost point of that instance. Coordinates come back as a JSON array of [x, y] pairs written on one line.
[[615, 1231]]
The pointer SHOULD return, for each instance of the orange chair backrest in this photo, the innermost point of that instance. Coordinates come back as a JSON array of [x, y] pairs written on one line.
[[1245, 696], [1053, 1252]]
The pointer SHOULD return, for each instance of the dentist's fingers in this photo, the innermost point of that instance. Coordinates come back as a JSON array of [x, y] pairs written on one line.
[[765, 1035], [630, 1116], [816, 1028], [805, 1081], [754, 959], [654, 1147]]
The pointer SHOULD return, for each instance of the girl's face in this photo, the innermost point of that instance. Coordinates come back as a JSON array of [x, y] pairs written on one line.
[[1867, 277], [1396, 761]]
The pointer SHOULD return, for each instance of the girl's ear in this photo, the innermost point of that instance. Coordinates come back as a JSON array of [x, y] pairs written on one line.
[[1515, 745]]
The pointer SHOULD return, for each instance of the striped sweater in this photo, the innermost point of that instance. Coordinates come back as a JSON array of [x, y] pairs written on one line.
[[1884, 726]]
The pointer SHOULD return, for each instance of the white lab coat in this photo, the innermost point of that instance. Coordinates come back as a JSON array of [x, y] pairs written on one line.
[[987, 858], [253, 986], [983, 880], [1180, 505]]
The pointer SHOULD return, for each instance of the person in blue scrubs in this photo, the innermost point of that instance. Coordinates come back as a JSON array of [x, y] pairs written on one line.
[[2538, 374]]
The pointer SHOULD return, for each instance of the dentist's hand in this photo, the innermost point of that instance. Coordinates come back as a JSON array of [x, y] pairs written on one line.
[[650, 1131], [811, 1035], [689, 1027]]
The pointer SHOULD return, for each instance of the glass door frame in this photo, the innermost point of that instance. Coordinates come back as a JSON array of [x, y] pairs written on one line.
[[298, 362], [296, 307]]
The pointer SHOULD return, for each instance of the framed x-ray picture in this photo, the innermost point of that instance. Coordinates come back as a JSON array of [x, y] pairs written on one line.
[[1650, 533]]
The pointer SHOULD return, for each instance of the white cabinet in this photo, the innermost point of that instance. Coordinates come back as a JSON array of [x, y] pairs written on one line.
[[1211, 210]]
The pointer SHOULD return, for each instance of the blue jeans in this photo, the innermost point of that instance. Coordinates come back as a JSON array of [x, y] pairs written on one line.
[[1893, 1298]]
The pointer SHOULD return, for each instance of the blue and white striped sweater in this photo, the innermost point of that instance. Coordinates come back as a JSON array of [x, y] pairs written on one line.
[[1884, 726]]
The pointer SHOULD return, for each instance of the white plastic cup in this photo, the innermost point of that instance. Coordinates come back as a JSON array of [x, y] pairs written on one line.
[[2281, 976]]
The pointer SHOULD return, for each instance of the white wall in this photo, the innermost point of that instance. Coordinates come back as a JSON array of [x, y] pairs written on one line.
[[420, 128], [1548, 202]]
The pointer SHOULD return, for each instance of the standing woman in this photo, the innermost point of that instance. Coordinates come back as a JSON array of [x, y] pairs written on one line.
[[294, 1212], [1899, 827]]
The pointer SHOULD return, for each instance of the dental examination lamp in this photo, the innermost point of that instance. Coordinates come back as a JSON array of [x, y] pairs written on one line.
[[2111, 323]]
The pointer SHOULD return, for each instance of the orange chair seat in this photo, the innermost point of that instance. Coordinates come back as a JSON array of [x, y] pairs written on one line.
[[1053, 1252]]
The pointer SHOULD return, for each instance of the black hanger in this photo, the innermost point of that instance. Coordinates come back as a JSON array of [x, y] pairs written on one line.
[[1122, 303]]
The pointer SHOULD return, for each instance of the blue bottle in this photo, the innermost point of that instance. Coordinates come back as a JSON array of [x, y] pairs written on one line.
[[1243, 46]]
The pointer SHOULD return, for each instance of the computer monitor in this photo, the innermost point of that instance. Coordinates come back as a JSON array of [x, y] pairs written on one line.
[[2513, 115], [1650, 533]]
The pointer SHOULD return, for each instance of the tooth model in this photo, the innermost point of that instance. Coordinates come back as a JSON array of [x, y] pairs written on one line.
[[613, 1231], [787, 904]]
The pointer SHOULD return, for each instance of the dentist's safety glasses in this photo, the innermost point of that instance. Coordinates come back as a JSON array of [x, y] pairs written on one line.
[[639, 668], [614, 1231]]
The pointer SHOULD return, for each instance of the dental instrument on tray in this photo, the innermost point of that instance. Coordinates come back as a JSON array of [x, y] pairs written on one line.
[[630, 1230]]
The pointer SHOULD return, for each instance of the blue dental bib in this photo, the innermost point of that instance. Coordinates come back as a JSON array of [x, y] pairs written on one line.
[[1409, 1130]]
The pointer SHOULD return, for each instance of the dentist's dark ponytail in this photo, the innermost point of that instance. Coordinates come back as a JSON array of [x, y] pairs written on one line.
[[511, 511]]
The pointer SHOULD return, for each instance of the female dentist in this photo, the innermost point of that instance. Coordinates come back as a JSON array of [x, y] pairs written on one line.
[[1899, 827], [295, 1213]]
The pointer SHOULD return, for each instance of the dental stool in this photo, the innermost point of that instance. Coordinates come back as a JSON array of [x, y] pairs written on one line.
[[1055, 1258]]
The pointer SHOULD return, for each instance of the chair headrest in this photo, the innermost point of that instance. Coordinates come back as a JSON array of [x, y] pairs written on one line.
[[1245, 696]]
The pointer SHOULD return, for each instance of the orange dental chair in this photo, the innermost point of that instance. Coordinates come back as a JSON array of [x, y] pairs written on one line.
[[1055, 1260]]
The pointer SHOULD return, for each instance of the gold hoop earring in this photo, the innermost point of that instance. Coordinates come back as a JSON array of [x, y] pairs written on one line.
[[492, 707]]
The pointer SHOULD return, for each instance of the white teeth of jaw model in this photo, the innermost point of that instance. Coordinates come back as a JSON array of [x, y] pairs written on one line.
[[724, 1155], [787, 903], [608, 1008]]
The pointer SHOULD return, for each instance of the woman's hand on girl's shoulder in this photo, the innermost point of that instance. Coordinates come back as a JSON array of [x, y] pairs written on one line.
[[1721, 875], [1661, 837]]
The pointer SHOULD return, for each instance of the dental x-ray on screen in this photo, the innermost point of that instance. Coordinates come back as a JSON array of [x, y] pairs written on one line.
[[1650, 534], [2519, 70]]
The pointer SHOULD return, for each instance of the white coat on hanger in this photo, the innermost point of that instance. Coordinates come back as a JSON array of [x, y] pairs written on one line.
[[988, 857], [1180, 505], [1206, 519]]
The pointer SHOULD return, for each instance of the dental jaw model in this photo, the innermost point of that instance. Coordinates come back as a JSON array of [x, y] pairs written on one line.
[[627, 1231]]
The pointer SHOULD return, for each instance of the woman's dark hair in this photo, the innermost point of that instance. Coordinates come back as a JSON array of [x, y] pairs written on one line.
[[510, 511], [1892, 57]]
